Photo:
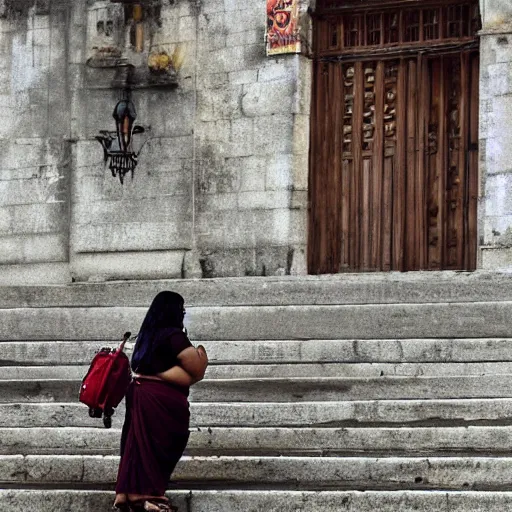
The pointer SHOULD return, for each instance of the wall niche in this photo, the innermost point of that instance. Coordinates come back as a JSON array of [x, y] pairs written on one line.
[[119, 39]]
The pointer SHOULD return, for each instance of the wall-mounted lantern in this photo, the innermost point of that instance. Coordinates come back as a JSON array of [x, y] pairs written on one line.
[[118, 146]]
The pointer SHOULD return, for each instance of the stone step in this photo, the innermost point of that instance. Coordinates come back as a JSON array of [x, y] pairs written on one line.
[[287, 390], [413, 287], [331, 442], [66, 353], [305, 473], [265, 371], [383, 321], [464, 412], [268, 501]]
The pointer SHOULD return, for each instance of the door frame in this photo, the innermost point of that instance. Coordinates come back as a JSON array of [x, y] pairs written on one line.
[[330, 48]]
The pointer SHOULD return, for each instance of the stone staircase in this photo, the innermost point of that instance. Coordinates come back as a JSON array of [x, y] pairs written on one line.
[[345, 393]]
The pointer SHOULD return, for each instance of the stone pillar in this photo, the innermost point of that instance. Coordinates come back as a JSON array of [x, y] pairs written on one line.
[[495, 211]]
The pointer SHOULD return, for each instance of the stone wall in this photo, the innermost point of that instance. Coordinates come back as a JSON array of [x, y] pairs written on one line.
[[35, 151], [221, 188], [495, 213]]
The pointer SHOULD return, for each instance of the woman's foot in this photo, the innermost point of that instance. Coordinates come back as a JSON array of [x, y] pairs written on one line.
[[150, 503], [121, 503]]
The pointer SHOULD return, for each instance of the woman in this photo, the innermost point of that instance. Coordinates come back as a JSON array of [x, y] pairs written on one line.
[[156, 427]]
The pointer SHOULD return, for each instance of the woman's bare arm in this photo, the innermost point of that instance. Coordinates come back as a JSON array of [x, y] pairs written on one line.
[[194, 361], [177, 375]]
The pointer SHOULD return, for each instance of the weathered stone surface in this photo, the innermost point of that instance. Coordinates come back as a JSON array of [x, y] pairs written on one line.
[[285, 370], [420, 287], [271, 501], [303, 441], [224, 71], [449, 473], [496, 411], [404, 321], [290, 389]]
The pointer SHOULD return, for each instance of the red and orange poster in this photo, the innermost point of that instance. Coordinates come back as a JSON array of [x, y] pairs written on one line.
[[283, 27]]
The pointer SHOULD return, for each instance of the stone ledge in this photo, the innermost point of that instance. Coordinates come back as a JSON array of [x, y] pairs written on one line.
[[268, 500], [372, 288]]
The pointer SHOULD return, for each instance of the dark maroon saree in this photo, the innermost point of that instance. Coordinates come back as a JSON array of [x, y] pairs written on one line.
[[155, 434]]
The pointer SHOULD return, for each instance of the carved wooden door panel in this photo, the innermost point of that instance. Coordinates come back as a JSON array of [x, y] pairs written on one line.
[[394, 172]]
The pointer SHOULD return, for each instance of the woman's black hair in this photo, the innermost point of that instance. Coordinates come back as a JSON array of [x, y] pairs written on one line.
[[166, 311]]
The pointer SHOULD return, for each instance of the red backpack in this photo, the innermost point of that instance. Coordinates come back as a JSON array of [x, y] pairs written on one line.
[[106, 382]]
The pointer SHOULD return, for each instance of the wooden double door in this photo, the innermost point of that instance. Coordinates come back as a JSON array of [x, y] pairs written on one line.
[[394, 163]]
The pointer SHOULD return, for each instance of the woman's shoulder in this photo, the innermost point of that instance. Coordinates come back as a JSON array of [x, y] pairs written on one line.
[[173, 334], [173, 340]]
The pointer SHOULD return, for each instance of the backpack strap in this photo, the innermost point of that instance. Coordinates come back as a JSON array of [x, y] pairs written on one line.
[[126, 337]]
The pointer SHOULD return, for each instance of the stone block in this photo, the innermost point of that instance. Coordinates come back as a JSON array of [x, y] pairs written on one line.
[[265, 200], [219, 202], [266, 98], [212, 6], [300, 171], [187, 28], [273, 134], [170, 114], [6, 218], [214, 80], [214, 176], [501, 47], [263, 261], [45, 469], [496, 13], [246, 37], [191, 265], [147, 185], [100, 469], [299, 265], [41, 22], [247, 76], [40, 36], [214, 131], [35, 218], [12, 468], [169, 33], [279, 172], [241, 137], [161, 210], [498, 230], [35, 273], [34, 249], [499, 143], [304, 85], [251, 170], [372, 288], [497, 258], [21, 153], [301, 125], [251, 226], [132, 236], [121, 266], [299, 199], [278, 69], [499, 79], [219, 104], [499, 194], [234, 58]]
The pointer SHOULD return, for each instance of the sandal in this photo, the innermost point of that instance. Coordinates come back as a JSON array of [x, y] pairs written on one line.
[[145, 505]]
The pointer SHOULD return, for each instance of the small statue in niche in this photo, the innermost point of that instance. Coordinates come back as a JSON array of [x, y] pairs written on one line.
[[121, 35]]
